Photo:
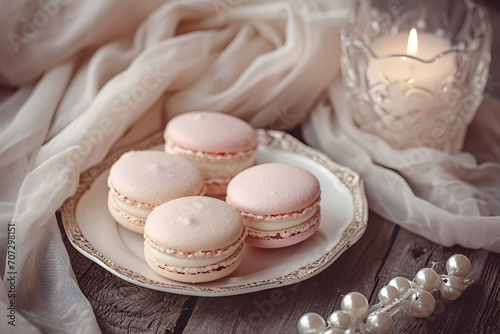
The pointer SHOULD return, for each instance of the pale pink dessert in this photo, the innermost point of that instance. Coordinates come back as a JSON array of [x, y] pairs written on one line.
[[139, 181], [194, 239], [220, 145], [279, 204]]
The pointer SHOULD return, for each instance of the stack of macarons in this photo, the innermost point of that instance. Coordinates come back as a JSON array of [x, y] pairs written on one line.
[[204, 151], [191, 237]]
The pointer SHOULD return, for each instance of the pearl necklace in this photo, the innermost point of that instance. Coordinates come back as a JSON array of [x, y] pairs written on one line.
[[413, 296]]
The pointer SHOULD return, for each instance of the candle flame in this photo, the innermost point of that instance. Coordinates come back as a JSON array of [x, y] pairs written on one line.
[[412, 48]]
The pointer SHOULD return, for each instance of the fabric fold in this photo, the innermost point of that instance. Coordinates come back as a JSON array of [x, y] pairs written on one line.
[[448, 199], [90, 78]]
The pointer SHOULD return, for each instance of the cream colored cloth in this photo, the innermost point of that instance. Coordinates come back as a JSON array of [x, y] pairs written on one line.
[[449, 199], [82, 78]]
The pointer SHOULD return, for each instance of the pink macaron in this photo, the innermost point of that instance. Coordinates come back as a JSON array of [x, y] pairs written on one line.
[[194, 239], [279, 204], [220, 145], [139, 181]]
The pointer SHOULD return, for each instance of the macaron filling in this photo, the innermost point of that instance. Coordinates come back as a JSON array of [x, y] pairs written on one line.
[[281, 226], [263, 225], [189, 262], [115, 210], [183, 270], [286, 233], [134, 208], [218, 166], [125, 200], [183, 261], [172, 148], [197, 254], [280, 216]]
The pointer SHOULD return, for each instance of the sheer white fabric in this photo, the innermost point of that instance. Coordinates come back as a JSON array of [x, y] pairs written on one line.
[[80, 79], [449, 199]]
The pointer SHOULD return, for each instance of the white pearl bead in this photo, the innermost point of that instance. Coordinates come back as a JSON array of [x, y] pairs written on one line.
[[335, 331], [339, 319], [452, 287], [311, 323], [400, 283], [355, 304], [422, 304], [426, 279], [458, 265], [379, 323], [388, 294]]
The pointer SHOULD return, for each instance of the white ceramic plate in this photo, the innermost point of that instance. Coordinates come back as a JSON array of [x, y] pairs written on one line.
[[344, 214]]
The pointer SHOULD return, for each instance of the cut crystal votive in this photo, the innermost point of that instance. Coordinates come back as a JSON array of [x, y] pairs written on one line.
[[415, 70]]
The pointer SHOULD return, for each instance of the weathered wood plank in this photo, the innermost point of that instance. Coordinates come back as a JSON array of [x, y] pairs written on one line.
[[383, 252], [486, 295], [411, 253], [123, 307]]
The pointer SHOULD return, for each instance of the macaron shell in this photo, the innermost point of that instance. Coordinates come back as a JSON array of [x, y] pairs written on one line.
[[154, 177], [273, 188], [199, 277], [195, 223], [284, 242], [213, 132]]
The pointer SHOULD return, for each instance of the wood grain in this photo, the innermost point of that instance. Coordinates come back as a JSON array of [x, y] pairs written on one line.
[[383, 252], [123, 307], [412, 253]]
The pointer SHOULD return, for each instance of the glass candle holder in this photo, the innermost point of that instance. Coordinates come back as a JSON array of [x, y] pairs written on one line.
[[415, 70]]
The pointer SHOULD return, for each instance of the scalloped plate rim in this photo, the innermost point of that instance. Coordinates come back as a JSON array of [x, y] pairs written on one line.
[[272, 138]]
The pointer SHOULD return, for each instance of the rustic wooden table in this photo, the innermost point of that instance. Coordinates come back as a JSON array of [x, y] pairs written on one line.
[[383, 252]]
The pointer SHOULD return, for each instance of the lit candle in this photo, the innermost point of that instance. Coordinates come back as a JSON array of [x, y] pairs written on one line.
[[422, 45]]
